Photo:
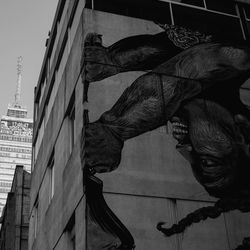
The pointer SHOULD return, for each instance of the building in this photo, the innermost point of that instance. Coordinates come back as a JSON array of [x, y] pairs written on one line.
[[139, 196], [15, 217], [15, 142]]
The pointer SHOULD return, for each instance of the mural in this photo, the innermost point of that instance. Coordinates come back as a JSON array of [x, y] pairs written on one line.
[[193, 81]]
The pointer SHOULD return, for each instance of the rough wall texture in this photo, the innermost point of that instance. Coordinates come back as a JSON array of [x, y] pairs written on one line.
[[15, 219], [153, 182]]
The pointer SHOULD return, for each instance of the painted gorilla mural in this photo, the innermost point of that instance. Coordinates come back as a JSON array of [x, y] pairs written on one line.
[[193, 82]]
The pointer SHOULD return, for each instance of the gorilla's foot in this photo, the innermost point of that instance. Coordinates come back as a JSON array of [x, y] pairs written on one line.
[[96, 61], [102, 148], [245, 244]]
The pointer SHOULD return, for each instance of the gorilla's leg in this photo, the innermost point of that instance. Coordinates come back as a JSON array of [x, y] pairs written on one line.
[[142, 52], [147, 104]]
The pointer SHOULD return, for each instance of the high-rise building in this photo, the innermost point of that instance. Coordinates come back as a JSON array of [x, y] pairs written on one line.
[[153, 182], [15, 142]]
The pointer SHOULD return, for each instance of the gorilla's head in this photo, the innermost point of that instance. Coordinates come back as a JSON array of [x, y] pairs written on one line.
[[218, 149]]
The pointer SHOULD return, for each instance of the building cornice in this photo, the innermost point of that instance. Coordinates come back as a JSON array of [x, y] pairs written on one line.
[[19, 119]]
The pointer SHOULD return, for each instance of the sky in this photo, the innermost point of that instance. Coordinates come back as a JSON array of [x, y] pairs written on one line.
[[24, 27]]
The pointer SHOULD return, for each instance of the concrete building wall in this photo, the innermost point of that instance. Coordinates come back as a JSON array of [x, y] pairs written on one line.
[[153, 182], [68, 181], [15, 218]]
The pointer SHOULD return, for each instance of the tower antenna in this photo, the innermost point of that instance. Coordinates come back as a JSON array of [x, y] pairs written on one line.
[[19, 81]]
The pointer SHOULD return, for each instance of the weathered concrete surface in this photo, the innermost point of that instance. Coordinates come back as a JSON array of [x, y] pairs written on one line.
[[15, 218], [149, 160], [68, 193], [153, 182]]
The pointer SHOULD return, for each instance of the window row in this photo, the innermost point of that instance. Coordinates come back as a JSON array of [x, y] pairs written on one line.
[[55, 83], [4, 190], [7, 173], [49, 183], [17, 113], [209, 18], [69, 232], [55, 38], [13, 138], [5, 184], [6, 180], [19, 150], [214, 5], [22, 156], [51, 98], [62, 53], [71, 124], [129, 7], [49, 178]]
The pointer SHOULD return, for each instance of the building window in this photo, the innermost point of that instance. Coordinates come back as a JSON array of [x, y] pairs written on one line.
[[45, 115], [51, 171], [222, 6], [244, 11], [36, 110], [71, 121], [36, 218], [72, 239], [69, 40], [144, 9], [199, 3], [219, 25], [70, 233], [247, 11], [72, 128]]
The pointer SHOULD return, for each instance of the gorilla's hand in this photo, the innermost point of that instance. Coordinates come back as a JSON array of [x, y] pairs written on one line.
[[101, 151], [96, 61]]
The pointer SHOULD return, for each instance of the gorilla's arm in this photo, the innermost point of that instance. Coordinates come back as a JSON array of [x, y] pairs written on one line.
[[142, 52], [154, 97]]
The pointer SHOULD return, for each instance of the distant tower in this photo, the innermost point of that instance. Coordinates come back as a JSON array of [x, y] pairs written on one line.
[[16, 109], [15, 140], [19, 81]]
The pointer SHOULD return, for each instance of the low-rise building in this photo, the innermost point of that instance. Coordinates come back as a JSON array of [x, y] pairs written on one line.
[[15, 216]]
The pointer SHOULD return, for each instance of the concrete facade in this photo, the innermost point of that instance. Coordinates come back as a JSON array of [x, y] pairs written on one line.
[[15, 218], [153, 182]]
